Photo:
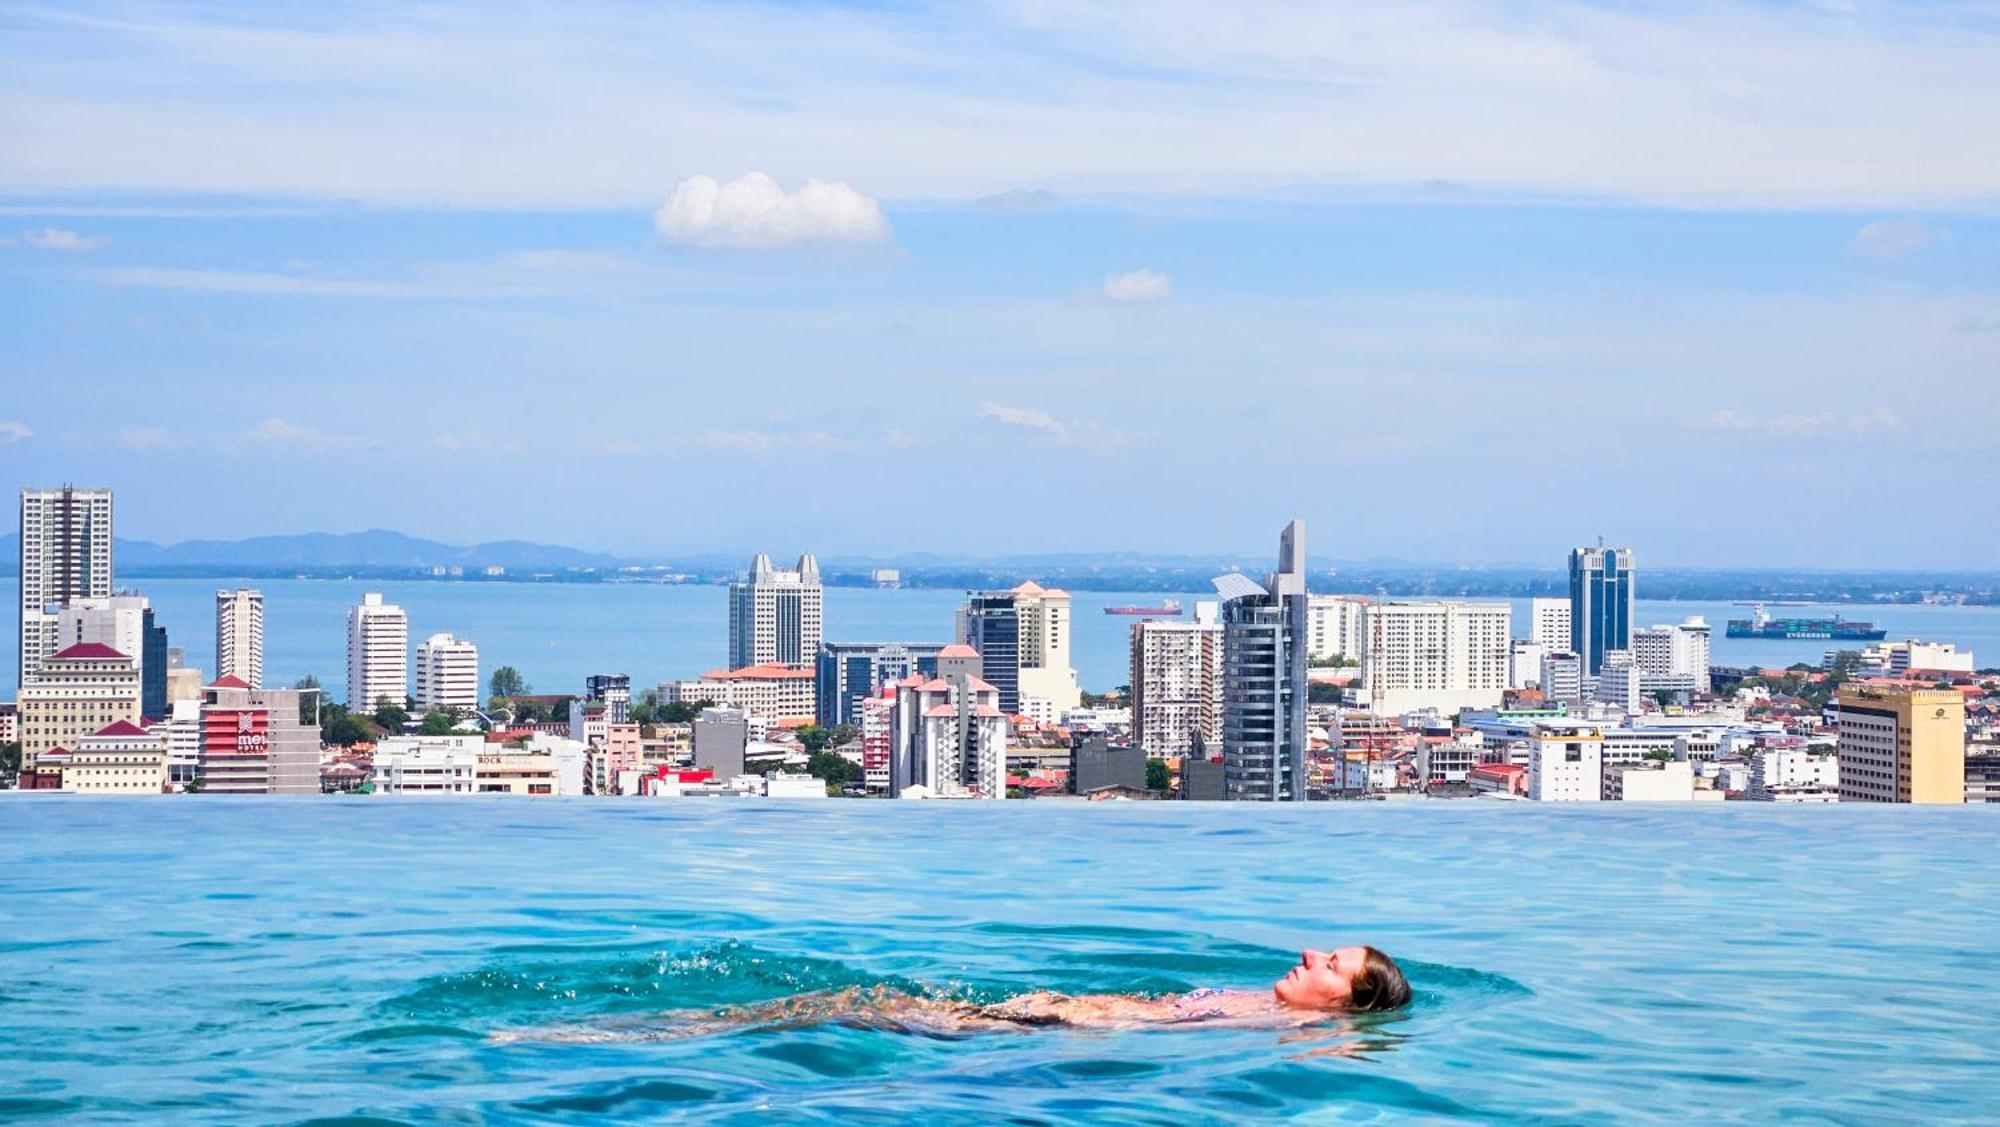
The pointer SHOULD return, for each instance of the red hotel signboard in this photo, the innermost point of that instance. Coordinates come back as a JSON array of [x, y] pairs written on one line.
[[235, 731]]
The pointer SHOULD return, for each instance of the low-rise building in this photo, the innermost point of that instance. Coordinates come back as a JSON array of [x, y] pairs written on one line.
[[774, 691], [1901, 744], [426, 765], [120, 758], [1566, 763], [1499, 778], [1651, 781]]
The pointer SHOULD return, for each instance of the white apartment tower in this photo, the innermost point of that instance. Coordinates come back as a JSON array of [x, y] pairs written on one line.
[[1548, 623], [1334, 626], [1177, 685], [1674, 651], [1442, 655], [948, 736], [448, 675], [1566, 763], [378, 654], [774, 615], [239, 636], [65, 555]]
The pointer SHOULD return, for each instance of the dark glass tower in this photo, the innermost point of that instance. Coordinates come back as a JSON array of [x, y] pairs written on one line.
[[1600, 604]]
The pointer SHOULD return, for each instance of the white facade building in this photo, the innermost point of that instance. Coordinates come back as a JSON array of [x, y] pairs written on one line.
[[239, 636], [774, 615], [773, 691], [1562, 676], [1334, 626], [1435, 655], [1177, 685], [378, 654], [429, 765], [1566, 763], [1548, 624], [65, 555], [1650, 782], [1782, 774], [1674, 651], [948, 738], [448, 675], [1022, 637], [1524, 663]]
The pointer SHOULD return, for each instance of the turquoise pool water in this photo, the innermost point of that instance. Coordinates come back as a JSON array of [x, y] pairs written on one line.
[[246, 961]]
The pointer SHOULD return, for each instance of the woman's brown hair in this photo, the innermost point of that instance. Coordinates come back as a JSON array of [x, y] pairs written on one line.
[[1380, 985]]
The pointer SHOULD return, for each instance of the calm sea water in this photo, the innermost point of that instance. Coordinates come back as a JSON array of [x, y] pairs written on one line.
[[559, 633], [347, 960]]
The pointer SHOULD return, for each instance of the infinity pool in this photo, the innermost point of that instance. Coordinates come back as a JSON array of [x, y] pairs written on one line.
[[268, 961]]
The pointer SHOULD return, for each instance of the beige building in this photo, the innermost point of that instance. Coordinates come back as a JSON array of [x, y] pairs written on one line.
[[1022, 637], [772, 691], [1443, 655], [516, 771], [1901, 745], [119, 758], [239, 636], [1177, 685], [80, 690]]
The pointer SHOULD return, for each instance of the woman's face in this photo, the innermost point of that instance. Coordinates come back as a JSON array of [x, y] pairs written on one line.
[[1322, 980]]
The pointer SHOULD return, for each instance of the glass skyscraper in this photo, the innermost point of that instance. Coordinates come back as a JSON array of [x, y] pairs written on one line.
[[1600, 604]]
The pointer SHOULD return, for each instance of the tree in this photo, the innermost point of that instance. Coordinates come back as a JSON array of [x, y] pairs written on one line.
[[1156, 775], [681, 712], [342, 728], [640, 714], [1319, 692], [1663, 698], [438, 722], [507, 682], [836, 769], [816, 739], [391, 717], [10, 759], [1660, 755], [306, 682]]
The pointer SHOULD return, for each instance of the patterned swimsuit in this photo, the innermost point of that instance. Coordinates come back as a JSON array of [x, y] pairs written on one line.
[[1188, 1006]]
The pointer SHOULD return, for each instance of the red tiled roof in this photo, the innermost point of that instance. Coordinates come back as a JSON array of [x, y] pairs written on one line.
[[121, 728], [770, 671], [231, 681], [85, 651], [1499, 768], [958, 649]]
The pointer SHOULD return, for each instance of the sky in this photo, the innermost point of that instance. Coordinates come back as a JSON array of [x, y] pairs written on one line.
[[1455, 282]]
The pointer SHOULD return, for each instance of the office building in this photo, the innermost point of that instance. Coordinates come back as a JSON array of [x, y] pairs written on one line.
[[1901, 745], [120, 758], [1022, 638], [774, 615], [1177, 684], [774, 691], [378, 654], [258, 741], [1549, 623], [948, 739], [1675, 651], [721, 739], [1566, 763], [180, 734], [1445, 656], [427, 765], [1264, 665], [1562, 677], [239, 636], [1524, 663], [1906, 658], [1101, 768], [1600, 603], [1333, 627], [849, 673], [79, 690], [65, 555], [614, 692], [124, 622], [447, 675]]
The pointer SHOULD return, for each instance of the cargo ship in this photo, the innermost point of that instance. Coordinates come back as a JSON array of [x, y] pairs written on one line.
[[1762, 625], [1166, 609]]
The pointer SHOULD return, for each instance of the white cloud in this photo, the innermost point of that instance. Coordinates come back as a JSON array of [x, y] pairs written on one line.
[[145, 438], [1892, 238], [1144, 284], [12, 430], [1729, 419], [1805, 425], [55, 238], [278, 432], [1027, 418], [753, 211]]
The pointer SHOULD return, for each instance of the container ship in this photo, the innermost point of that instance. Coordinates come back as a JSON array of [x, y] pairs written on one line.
[[1762, 625], [1165, 610]]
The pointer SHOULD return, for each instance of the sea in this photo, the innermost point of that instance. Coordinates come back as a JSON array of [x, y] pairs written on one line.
[[379, 961], [557, 634]]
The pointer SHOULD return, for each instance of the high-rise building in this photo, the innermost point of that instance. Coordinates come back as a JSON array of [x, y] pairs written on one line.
[[1562, 677], [948, 736], [239, 636], [78, 690], [1524, 663], [126, 623], [378, 654], [1334, 626], [258, 741], [1177, 685], [849, 673], [774, 615], [1439, 655], [447, 675], [614, 692], [65, 555], [1549, 623], [1264, 665], [1022, 638], [1901, 745], [1600, 604], [1679, 650]]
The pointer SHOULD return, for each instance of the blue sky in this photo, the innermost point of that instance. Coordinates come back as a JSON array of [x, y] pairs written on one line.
[[1457, 282]]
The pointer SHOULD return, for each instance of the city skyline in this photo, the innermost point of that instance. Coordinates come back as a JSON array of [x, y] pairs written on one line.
[[1392, 305]]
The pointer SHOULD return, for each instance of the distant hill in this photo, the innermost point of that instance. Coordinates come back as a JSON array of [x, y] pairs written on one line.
[[375, 548]]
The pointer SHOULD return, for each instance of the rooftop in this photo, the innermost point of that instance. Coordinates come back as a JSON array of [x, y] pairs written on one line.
[[88, 651]]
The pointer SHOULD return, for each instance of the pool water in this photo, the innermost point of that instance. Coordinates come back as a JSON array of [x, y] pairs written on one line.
[[217, 960]]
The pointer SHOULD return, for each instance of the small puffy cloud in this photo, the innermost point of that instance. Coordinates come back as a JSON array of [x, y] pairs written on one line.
[[1018, 199], [1880, 418], [1144, 284], [1804, 425], [145, 438], [278, 432], [1727, 419], [1892, 238], [13, 430], [55, 238], [752, 211], [1027, 418]]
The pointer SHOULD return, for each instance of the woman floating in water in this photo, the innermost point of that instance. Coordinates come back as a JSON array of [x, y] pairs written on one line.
[[1322, 985]]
